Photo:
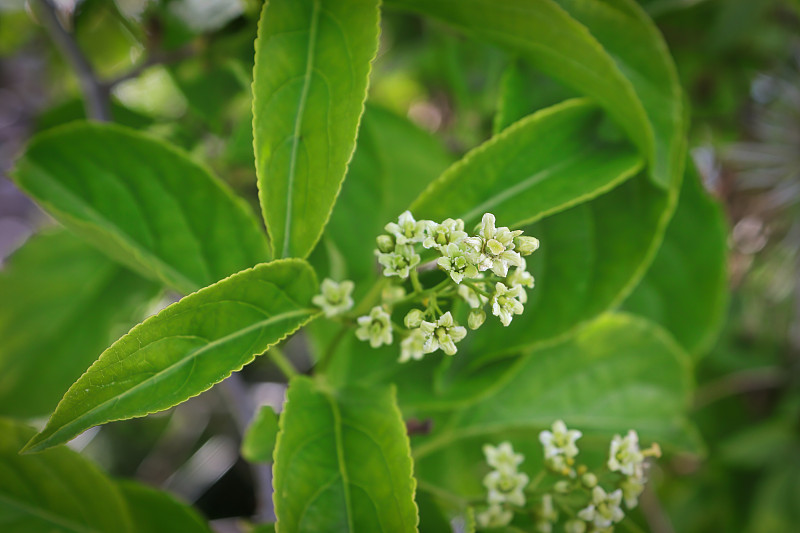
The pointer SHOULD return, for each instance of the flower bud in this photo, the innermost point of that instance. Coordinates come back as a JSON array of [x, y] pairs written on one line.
[[476, 318], [414, 319], [385, 243], [589, 480], [575, 526], [562, 486], [526, 245]]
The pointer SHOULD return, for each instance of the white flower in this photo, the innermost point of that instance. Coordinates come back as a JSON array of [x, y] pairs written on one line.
[[496, 246], [624, 455], [604, 509], [458, 261], [440, 235], [506, 487], [505, 303], [546, 510], [473, 298], [494, 516], [520, 278], [335, 298], [502, 457], [632, 488], [413, 346], [399, 262], [443, 333], [407, 230], [375, 327], [559, 446]]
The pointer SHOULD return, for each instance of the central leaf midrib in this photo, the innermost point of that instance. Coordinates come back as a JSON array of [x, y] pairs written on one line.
[[192, 355], [298, 122]]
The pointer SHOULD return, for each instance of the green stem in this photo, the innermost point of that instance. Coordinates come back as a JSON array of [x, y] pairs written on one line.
[[323, 363], [282, 362], [415, 281]]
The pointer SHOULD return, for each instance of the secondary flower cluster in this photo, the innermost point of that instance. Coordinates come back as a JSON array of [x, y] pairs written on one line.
[[484, 268], [603, 507]]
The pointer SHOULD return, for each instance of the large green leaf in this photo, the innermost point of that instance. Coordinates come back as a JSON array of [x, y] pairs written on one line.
[[61, 303], [541, 165], [154, 511], [186, 348], [620, 372], [342, 461], [310, 82], [142, 202], [606, 49], [56, 491], [394, 162], [685, 289]]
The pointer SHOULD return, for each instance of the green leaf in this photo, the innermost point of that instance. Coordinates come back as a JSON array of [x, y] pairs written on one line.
[[686, 288], [342, 461], [154, 511], [259, 440], [56, 491], [61, 303], [618, 373], [394, 162], [142, 202], [541, 165], [606, 49], [186, 348], [310, 82]]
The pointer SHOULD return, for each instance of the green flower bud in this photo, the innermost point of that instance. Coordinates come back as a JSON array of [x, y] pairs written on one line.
[[562, 486], [589, 480], [476, 318], [414, 318], [526, 245], [385, 243]]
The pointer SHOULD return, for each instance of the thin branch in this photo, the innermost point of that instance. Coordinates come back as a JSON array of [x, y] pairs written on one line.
[[739, 383], [95, 94], [156, 58]]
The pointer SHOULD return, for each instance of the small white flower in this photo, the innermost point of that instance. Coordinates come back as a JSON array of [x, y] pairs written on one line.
[[458, 261], [375, 327], [546, 510], [506, 487], [413, 346], [473, 298], [496, 246], [604, 509], [443, 333], [502, 457], [505, 302], [494, 516], [575, 526], [560, 441], [448, 232], [334, 298], [519, 277], [399, 262], [624, 455], [407, 230], [632, 488]]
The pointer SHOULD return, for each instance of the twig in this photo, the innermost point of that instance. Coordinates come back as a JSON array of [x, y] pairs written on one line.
[[96, 95], [156, 58]]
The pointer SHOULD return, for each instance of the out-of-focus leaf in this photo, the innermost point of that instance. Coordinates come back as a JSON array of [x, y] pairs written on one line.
[[154, 511], [61, 303], [186, 348], [56, 491], [544, 164], [259, 440], [607, 49], [142, 202], [775, 508], [342, 461], [310, 81], [74, 109], [685, 289]]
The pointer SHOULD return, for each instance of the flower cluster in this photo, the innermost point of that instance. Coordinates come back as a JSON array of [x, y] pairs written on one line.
[[505, 485], [486, 268], [586, 505]]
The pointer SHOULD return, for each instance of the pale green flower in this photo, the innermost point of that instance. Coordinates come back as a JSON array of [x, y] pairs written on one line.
[[399, 262], [413, 346], [335, 298], [604, 509], [559, 446], [407, 230], [546, 510], [502, 457], [473, 299], [375, 327], [519, 277], [494, 516], [624, 455], [506, 487], [392, 293], [458, 261], [448, 232], [505, 302], [476, 318], [575, 526], [443, 333], [632, 488], [414, 318], [526, 245], [496, 246]]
